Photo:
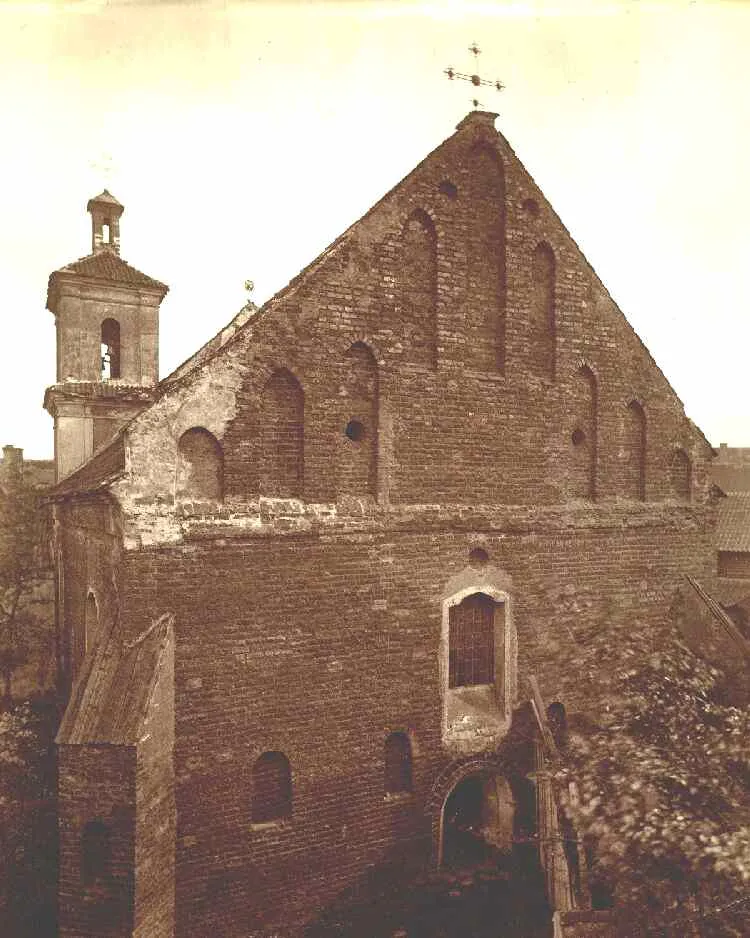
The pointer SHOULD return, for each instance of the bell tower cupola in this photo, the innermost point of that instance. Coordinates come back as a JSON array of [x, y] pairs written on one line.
[[105, 223], [107, 319]]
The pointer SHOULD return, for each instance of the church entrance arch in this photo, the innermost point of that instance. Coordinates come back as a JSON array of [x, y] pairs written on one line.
[[477, 821], [488, 846]]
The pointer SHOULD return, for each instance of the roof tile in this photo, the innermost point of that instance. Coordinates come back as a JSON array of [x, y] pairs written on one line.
[[733, 522], [106, 265]]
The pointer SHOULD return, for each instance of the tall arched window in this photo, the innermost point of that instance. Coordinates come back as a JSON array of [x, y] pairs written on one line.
[[96, 853], [471, 642], [542, 332], [110, 349], [680, 474], [583, 434], [634, 469], [418, 281], [282, 436], [485, 319], [358, 444], [272, 788], [398, 764], [200, 466]]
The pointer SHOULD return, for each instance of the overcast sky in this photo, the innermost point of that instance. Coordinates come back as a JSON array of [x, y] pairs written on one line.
[[244, 137]]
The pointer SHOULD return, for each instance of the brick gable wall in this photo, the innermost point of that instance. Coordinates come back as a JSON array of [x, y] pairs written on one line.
[[312, 627]]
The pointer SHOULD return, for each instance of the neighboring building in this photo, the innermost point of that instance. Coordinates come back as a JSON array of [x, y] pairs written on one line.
[[305, 585], [731, 473], [733, 536], [731, 468]]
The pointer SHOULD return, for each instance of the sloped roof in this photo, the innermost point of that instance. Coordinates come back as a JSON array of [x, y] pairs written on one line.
[[731, 478], [718, 635], [104, 466], [106, 265], [106, 196], [733, 522], [110, 700]]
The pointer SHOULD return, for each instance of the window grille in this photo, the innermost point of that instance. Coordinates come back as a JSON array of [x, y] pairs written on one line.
[[472, 642]]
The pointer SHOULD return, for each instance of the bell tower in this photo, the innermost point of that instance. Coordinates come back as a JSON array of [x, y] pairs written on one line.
[[107, 318]]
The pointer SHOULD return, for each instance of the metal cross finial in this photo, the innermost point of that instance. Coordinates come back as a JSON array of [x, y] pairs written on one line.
[[474, 79]]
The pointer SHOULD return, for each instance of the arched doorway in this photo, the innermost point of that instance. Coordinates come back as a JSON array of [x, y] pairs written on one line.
[[478, 820], [489, 847]]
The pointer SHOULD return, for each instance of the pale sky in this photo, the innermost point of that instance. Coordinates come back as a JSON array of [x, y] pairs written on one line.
[[245, 137]]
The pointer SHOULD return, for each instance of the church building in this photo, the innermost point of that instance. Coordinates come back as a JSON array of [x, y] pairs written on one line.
[[307, 582]]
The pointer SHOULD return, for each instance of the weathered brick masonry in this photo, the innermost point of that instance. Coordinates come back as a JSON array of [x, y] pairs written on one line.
[[449, 376]]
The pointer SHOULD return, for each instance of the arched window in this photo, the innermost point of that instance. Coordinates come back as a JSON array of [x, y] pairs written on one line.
[[634, 470], [200, 466], [282, 436], [96, 853], [110, 349], [485, 339], [542, 337], [272, 788], [583, 434], [398, 764], [680, 474], [418, 281], [471, 642], [358, 444]]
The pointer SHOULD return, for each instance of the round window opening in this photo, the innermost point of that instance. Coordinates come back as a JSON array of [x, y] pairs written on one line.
[[448, 188], [355, 431], [531, 207], [578, 437]]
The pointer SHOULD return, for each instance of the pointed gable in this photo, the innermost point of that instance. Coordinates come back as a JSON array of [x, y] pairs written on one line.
[[478, 304]]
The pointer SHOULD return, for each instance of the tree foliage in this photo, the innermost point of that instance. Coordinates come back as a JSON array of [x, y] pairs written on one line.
[[28, 818], [24, 626], [660, 785]]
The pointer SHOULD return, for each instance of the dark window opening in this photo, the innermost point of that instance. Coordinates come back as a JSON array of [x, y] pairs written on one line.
[[531, 207], [398, 764], [478, 557], [96, 853], [558, 724], [110, 349], [91, 622], [272, 788], [355, 431], [471, 652], [578, 437], [446, 187]]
